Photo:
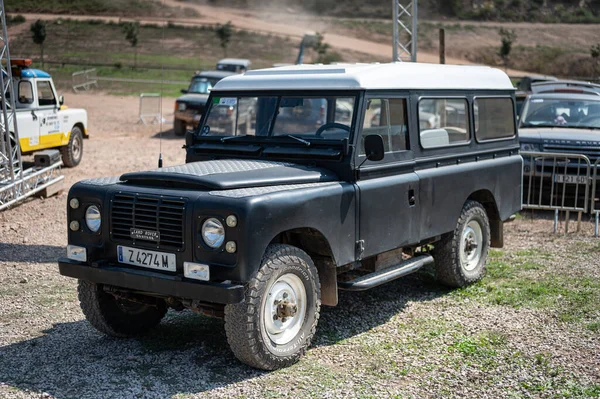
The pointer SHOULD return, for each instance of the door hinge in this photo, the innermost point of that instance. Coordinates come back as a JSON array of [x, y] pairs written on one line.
[[360, 249]]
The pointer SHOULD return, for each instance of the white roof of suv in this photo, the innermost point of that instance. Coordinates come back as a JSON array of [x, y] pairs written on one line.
[[402, 75]]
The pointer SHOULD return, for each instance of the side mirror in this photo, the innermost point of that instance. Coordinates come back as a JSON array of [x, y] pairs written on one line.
[[374, 148], [61, 100], [184, 91]]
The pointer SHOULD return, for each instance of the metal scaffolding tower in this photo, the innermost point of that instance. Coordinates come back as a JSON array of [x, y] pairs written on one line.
[[15, 182], [405, 30]]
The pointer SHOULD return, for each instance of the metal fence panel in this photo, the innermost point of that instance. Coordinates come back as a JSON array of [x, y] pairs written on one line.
[[84, 80], [150, 111], [555, 181]]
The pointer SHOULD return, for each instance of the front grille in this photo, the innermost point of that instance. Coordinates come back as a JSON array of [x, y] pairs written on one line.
[[592, 152], [195, 107], [165, 215]]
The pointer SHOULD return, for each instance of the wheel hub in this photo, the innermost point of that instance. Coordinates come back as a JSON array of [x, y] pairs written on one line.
[[284, 309], [471, 245]]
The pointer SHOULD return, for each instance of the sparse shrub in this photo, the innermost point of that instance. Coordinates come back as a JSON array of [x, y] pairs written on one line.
[[224, 33], [38, 30], [132, 31], [507, 37]]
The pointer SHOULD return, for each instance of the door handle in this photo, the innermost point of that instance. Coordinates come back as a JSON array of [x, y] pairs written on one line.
[[34, 115], [412, 200]]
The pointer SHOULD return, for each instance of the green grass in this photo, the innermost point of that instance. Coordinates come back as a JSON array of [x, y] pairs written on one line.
[[484, 344]]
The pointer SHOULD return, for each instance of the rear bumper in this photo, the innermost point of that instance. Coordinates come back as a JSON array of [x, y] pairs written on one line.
[[152, 282]]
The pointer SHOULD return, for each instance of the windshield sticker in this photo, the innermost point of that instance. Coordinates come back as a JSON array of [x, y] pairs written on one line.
[[537, 100], [228, 101], [216, 100]]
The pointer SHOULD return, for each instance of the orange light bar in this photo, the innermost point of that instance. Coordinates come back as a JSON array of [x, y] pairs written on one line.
[[24, 62]]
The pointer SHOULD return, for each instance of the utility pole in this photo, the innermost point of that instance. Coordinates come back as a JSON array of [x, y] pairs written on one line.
[[405, 30], [442, 46]]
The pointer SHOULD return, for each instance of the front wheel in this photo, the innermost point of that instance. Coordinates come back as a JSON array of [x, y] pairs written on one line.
[[73, 152], [179, 127], [273, 326], [118, 317], [460, 256]]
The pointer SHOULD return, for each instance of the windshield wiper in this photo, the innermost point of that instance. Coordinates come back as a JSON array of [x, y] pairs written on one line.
[[227, 138], [305, 142]]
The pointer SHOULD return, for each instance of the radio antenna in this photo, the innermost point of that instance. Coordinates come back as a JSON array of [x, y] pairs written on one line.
[[162, 79]]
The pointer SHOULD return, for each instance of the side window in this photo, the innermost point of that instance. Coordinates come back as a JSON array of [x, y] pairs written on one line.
[[386, 117], [493, 118], [443, 122], [45, 94], [25, 95]]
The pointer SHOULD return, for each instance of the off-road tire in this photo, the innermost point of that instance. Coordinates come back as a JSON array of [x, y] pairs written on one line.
[[448, 267], [244, 321], [179, 127], [107, 315], [70, 156]]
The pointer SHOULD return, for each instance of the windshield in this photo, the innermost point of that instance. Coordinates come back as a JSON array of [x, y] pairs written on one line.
[[312, 117], [544, 112], [200, 86]]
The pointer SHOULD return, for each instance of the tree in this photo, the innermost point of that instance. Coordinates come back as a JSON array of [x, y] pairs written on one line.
[[132, 32], [321, 48], [507, 37], [224, 33], [595, 53], [38, 30]]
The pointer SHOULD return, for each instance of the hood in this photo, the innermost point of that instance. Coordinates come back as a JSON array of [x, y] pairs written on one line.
[[559, 134], [193, 98], [231, 174]]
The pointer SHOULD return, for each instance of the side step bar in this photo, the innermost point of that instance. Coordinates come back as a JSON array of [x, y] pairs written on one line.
[[386, 275]]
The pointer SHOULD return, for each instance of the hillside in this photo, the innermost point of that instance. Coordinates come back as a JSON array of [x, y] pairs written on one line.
[[126, 8], [547, 11]]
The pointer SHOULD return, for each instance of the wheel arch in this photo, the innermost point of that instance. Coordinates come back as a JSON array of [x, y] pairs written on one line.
[[316, 245], [83, 130], [488, 201]]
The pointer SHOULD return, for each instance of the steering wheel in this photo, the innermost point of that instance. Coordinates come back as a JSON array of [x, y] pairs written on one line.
[[593, 118], [333, 125]]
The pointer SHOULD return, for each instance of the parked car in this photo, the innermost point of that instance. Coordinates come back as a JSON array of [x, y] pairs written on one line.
[[190, 107], [235, 65], [43, 121], [565, 123], [264, 227], [566, 86]]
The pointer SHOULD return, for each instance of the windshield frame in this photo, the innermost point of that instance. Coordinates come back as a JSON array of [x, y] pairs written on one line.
[[356, 94], [523, 124]]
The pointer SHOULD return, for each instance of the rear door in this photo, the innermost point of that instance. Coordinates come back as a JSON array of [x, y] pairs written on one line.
[[387, 190]]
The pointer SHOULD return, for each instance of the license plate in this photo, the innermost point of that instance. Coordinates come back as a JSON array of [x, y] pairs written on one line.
[[145, 258], [569, 179]]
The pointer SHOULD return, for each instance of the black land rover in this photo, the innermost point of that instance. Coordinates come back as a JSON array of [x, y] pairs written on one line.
[[267, 220]]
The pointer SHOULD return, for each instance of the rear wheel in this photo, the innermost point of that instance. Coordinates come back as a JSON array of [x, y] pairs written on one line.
[[73, 152], [273, 326], [179, 127], [117, 317], [460, 256]]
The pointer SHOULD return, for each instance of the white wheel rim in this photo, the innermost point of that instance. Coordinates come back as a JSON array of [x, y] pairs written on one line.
[[288, 290], [471, 245], [77, 147]]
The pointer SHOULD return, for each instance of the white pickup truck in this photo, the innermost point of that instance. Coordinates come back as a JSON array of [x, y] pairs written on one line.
[[43, 121]]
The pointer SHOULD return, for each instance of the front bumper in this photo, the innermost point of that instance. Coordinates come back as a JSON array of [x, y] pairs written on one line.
[[190, 117], [152, 282]]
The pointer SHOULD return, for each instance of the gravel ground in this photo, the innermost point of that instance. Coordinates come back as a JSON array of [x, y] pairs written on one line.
[[530, 329]]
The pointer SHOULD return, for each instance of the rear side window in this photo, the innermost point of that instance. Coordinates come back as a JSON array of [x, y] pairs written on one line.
[[493, 118], [443, 122], [386, 117]]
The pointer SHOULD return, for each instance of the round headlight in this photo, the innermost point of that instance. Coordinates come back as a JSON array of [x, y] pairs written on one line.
[[213, 233], [181, 106], [93, 218]]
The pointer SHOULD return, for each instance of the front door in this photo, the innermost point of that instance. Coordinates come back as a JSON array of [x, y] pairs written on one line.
[[387, 189], [48, 113]]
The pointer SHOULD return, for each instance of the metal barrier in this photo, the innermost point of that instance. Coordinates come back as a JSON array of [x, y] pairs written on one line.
[[593, 210], [84, 80], [558, 182], [150, 104]]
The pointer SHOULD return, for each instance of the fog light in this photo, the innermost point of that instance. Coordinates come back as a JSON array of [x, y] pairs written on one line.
[[74, 203], [76, 253], [197, 271], [231, 247], [231, 221], [74, 225]]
